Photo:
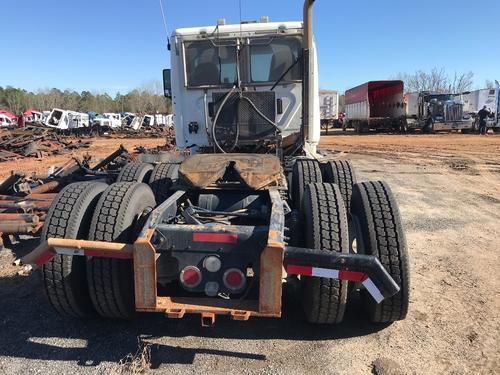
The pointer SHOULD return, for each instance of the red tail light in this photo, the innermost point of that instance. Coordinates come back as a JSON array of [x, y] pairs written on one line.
[[190, 277], [234, 279]]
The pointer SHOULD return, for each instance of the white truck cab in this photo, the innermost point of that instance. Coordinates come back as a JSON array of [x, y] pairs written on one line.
[[111, 120], [240, 87], [5, 121], [67, 120]]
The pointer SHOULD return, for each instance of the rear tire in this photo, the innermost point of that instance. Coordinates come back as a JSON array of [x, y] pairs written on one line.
[[380, 231], [341, 173], [135, 172], [111, 281], [325, 217], [64, 277], [304, 172], [162, 179]]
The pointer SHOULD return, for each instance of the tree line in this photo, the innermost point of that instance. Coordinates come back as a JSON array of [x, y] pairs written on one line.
[[143, 100], [437, 80]]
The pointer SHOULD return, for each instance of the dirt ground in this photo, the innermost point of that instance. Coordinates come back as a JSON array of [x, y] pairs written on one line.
[[99, 149], [448, 187]]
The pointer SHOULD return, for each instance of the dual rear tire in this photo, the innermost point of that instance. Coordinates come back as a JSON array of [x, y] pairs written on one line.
[[329, 211], [81, 287]]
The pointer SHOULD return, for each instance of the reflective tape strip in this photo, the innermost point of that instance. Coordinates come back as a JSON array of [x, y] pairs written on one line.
[[93, 253], [373, 290], [69, 251], [299, 270], [226, 238], [352, 276], [44, 258], [323, 272], [109, 254], [339, 275]]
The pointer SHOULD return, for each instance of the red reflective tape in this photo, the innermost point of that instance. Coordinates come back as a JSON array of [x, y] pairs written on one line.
[[44, 258], [352, 276], [216, 238], [108, 254], [299, 270]]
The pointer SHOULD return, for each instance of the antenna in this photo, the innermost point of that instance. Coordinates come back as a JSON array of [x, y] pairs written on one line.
[[241, 20], [165, 23]]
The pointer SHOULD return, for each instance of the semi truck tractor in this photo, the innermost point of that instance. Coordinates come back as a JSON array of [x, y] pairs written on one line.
[[432, 112], [251, 209], [376, 105]]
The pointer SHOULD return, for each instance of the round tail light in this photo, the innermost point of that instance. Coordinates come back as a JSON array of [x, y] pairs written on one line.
[[190, 277], [234, 279]]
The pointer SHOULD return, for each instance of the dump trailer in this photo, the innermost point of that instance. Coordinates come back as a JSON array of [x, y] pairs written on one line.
[[430, 112], [329, 107], [375, 105], [222, 231]]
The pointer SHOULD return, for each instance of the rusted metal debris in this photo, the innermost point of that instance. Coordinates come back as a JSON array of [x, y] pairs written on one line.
[[25, 199], [36, 142]]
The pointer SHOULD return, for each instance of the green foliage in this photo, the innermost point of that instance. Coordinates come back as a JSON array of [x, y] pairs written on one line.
[[138, 101]]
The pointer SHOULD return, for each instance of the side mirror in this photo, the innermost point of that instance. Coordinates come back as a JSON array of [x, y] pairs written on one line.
[[167, 83]]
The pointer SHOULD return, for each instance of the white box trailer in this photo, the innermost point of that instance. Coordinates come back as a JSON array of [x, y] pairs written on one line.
[[476, 100], [328, 106], [67, 120]]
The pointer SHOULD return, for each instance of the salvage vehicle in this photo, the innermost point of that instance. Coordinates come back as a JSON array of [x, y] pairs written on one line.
[[32, 117], [224, 230], [6, 121], [109, 120], [432, 112], [67, 121]]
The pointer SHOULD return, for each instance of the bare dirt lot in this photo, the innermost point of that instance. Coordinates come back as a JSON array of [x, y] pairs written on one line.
[[100, 148], [448, 187]]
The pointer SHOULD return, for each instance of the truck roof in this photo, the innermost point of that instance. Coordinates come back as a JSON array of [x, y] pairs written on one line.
[[360, 93], [236, 28]]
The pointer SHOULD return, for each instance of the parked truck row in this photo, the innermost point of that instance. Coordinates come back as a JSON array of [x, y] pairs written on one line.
[[384, 106]]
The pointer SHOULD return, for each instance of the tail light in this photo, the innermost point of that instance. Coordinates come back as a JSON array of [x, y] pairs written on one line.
[[234, 279], [190, 277]]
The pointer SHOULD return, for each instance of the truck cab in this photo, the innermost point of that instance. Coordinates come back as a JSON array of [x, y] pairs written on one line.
[[239, 87], [5, 121], [442, 112]]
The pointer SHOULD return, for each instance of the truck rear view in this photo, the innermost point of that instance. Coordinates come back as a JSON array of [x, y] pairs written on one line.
[[375, 105]]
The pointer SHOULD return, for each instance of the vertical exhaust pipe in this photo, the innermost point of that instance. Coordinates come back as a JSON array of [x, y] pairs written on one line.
[[307, 89]]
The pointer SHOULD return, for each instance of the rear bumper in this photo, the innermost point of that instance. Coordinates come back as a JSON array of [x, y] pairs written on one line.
[[298, 261], [459, 125], [365, 269]]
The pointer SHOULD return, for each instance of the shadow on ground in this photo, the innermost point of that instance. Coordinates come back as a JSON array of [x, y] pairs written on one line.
[[30, 329]]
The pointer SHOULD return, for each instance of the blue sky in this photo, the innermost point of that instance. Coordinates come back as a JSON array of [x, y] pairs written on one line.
[[117, 45]]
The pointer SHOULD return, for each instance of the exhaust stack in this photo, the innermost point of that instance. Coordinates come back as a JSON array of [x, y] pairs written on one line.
[[307, 89]]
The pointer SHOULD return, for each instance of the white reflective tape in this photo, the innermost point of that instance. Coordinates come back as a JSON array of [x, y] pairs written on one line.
[[324, 272], [69, 251], [373, 290]]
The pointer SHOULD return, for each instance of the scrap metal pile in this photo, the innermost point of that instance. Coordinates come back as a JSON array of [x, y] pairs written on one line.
[[35, 142], [25, 199]]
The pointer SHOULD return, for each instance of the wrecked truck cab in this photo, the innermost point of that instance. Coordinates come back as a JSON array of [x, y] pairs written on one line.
[[67, 120]]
